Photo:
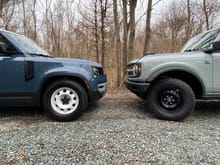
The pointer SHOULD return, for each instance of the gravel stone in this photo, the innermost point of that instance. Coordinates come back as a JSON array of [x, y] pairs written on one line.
[[116, 130]]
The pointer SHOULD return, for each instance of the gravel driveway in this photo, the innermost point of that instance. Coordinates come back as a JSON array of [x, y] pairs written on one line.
[[116, 130]]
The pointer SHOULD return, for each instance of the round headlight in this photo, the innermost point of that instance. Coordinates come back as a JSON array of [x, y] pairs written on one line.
[[134, 70]]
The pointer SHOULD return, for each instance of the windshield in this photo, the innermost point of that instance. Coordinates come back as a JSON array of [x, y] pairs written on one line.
[[201, 41], [27, 45]]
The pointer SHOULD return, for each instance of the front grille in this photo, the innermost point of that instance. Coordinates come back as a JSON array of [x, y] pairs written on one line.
[[129, 70]]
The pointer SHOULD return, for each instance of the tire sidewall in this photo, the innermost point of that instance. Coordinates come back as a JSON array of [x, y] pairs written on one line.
[[82, 96]]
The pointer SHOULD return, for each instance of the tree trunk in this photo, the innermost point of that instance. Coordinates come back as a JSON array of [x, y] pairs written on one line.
[[117, 41], [1, 7], [96, 33], [189, 28], [133, 4], [103, 4], [148, 30], [24, 18], [7, 19], [206, 14], [125, 36], [34, 20], [3, 3]]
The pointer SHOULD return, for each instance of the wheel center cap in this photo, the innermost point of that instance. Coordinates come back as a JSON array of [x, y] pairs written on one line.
[[65, 100], [169, 99]]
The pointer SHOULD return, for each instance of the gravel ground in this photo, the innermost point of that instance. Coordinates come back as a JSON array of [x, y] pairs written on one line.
[[116, 130]]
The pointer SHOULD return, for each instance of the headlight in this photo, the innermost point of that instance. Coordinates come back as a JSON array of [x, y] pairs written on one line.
[[97, 71], [134, 70]]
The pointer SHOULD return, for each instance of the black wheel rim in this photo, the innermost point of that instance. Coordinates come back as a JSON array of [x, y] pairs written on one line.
[[170, 99]]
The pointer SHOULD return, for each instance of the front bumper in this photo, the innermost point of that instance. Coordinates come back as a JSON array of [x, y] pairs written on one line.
[[96, 94], [102, 88], [139, 88]]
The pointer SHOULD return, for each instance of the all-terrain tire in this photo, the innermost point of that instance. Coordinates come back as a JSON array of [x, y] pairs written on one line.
[[171, 99]]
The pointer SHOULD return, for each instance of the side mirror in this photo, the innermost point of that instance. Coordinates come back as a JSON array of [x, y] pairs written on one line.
[[2, 47], [216, 46]]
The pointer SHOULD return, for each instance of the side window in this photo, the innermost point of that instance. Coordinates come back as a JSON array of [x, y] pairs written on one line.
[[217, 39], [6, 46], [208, 39]]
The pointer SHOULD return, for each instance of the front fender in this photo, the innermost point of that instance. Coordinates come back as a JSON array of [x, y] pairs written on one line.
[[73, 71], [160, 71], [203, 73], [76, 72]]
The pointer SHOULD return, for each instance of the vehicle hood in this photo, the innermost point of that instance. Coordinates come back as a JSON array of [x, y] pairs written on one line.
[[65, 61], [174, 56], [76, 61]]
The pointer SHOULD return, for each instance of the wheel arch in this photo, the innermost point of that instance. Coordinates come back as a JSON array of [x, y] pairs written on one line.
[[193, 81]]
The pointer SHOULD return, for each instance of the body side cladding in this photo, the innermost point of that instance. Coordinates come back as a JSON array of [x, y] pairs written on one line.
[[160, 72], [188, 77]]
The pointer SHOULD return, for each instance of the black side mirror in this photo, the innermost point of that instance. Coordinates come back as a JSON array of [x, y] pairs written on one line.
[[216, 46]]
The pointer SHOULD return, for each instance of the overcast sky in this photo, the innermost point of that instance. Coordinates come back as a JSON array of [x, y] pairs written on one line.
[[158, 9]]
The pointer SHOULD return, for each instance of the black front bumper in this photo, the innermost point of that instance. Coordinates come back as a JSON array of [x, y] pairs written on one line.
[[139, 88]]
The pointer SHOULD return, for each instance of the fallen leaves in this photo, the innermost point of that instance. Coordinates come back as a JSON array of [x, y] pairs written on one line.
[[21, 154]]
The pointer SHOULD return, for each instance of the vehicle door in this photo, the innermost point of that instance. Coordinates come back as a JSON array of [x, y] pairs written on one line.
[[12, 76], [216, 68]]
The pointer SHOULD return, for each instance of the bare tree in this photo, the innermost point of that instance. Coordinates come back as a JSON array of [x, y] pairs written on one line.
[[34, 37], [132, 27], [117, 41], [96, 31], [206, 14], [3, 4], [24, 17], [103, 7], [125, 34], [7, 9], [148, 23], [189, 25], [89, 28], [176, 22]]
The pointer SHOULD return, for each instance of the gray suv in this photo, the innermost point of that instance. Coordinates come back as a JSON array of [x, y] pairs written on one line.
[[171, 83]]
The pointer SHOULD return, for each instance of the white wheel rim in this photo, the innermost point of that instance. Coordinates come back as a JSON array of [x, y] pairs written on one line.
[[64, 100]]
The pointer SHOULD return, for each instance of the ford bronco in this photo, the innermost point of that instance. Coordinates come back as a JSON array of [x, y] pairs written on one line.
[[171, 83]]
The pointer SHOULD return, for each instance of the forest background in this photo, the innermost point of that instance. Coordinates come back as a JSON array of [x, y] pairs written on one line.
[[110, 32]]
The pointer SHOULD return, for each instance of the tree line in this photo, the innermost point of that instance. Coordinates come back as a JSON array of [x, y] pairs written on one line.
[[108, 31]]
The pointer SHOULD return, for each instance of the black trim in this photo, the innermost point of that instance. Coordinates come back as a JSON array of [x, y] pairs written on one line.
[[29, 70], [138, 88], [14, 94], [18, 100]]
